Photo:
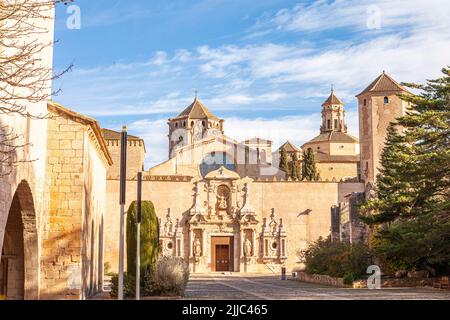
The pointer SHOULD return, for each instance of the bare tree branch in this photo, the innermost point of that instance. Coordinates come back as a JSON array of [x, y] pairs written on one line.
[[25, 76]]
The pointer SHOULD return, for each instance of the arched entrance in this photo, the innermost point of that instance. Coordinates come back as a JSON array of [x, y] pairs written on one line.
[[19, 267]]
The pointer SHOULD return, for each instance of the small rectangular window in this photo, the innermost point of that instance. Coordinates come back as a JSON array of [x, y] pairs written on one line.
[[335, 123]]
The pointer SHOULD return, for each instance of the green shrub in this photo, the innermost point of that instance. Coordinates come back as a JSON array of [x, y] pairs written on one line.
[[129, 285], [149, 237], [349, 278], [337, 259]]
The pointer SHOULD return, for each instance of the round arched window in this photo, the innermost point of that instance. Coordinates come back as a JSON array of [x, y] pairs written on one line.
[[274, 245], [214, 161], [170, 245]]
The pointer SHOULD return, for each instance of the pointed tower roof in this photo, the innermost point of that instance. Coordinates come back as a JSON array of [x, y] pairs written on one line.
[[383, 83], [196, 110], [332, 99], [290, 147]]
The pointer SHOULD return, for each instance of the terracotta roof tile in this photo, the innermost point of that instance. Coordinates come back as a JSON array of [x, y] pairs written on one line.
[[289, 147], [383, 83], [334, 136], [332, 99], [196, 110]]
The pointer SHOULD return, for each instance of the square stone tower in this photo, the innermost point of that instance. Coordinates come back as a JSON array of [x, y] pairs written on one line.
[[379, 105]]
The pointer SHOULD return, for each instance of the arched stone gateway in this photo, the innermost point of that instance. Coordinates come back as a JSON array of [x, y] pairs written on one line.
[[19, 268]]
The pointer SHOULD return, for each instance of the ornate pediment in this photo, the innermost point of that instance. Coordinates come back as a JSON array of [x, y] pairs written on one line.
[[222, 174]]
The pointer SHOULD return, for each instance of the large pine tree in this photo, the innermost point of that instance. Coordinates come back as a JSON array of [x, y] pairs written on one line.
[[412, 203]]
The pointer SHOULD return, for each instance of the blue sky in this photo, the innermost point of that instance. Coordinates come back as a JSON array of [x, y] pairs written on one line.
[[264, 66]]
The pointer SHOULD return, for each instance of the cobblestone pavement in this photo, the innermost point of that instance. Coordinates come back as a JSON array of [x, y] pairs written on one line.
[[262, 287]]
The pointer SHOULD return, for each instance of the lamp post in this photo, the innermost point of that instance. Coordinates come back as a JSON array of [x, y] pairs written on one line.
[[123, 180], [138, 250]]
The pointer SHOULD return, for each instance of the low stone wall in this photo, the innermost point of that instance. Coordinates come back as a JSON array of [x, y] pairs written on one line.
[[397, 283], [321, 279], [362, 284]]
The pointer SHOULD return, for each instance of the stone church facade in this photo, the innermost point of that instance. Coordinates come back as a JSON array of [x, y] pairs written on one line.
[[224, 205]]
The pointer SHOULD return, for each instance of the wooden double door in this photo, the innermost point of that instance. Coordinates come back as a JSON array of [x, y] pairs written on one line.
[[222, 253], [222, 257]]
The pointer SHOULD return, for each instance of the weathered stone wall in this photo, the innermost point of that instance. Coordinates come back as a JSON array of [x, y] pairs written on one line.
[[321, 279], [93, 216], [61, 244], [71, 259]]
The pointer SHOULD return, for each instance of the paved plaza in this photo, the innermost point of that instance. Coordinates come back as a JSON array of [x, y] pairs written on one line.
[[269, 287]]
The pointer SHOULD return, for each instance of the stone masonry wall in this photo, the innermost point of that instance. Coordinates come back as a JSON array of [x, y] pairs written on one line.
[[72, 245], [61, 239], [135, 158]]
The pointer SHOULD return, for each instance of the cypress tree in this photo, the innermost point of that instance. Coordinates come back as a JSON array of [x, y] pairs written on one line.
[[284, 165], [149, 237], [309, 170], [411, 208], [295, 174]]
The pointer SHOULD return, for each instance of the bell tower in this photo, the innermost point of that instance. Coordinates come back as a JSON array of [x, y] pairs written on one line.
[[333, 115], [195, 123], [378, 106]]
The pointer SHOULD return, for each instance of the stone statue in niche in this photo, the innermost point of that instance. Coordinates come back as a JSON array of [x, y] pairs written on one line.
[[197, 248], [222, 203], [223, 195], [168, 226], [248, 248]]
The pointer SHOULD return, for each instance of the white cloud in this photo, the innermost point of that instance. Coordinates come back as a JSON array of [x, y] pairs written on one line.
[[331, 15], [412, 45]]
